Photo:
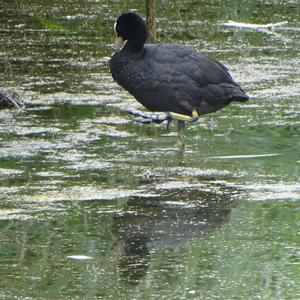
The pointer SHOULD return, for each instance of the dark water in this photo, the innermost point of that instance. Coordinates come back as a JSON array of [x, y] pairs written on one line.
[[96, 206]]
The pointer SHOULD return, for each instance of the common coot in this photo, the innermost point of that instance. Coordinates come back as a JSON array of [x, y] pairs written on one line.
[[174, 80]]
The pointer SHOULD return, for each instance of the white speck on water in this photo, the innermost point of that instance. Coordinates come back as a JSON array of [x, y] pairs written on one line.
[[79, 257], [192, 292]]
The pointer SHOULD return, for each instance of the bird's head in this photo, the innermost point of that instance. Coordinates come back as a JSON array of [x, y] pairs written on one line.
[[131, 28]]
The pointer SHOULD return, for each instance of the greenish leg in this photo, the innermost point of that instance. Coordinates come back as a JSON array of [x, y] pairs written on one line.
[[180, 138], [185, 118]]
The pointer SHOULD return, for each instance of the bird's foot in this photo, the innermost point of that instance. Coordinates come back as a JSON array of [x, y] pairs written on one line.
[[147, 117]]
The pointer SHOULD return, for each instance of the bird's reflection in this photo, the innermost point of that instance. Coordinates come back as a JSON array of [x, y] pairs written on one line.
[[133, 257], [168, 221]]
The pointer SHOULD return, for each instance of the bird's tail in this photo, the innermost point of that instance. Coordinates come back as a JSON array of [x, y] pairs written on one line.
[[238, 94]]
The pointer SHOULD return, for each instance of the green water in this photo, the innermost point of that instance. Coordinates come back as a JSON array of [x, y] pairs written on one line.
[[79, 177]]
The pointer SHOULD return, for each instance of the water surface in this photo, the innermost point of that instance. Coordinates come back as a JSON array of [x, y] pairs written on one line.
[[96, 206]]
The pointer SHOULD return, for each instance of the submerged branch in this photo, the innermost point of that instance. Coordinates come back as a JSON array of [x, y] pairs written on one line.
[[10, 101], [268, 26]]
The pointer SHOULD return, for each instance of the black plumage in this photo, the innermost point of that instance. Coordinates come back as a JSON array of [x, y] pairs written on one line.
[[170, 77]]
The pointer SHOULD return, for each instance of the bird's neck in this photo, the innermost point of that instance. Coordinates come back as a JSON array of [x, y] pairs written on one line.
[[136, 45]]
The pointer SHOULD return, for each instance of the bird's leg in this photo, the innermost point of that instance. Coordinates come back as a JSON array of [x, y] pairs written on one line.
[[181, 126], [180, 138], [185, 118], [169, 124]]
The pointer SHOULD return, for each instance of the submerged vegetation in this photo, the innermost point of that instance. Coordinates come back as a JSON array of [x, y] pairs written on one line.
[[48, 23]]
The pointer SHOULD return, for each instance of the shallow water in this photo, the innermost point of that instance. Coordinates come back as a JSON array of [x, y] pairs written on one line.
[[96, 206]]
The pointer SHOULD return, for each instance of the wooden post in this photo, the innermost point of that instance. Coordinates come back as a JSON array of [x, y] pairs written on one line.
[[151, 20]]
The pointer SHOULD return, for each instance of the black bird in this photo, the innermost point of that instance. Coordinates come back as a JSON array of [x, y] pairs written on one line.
[[169, 78]]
